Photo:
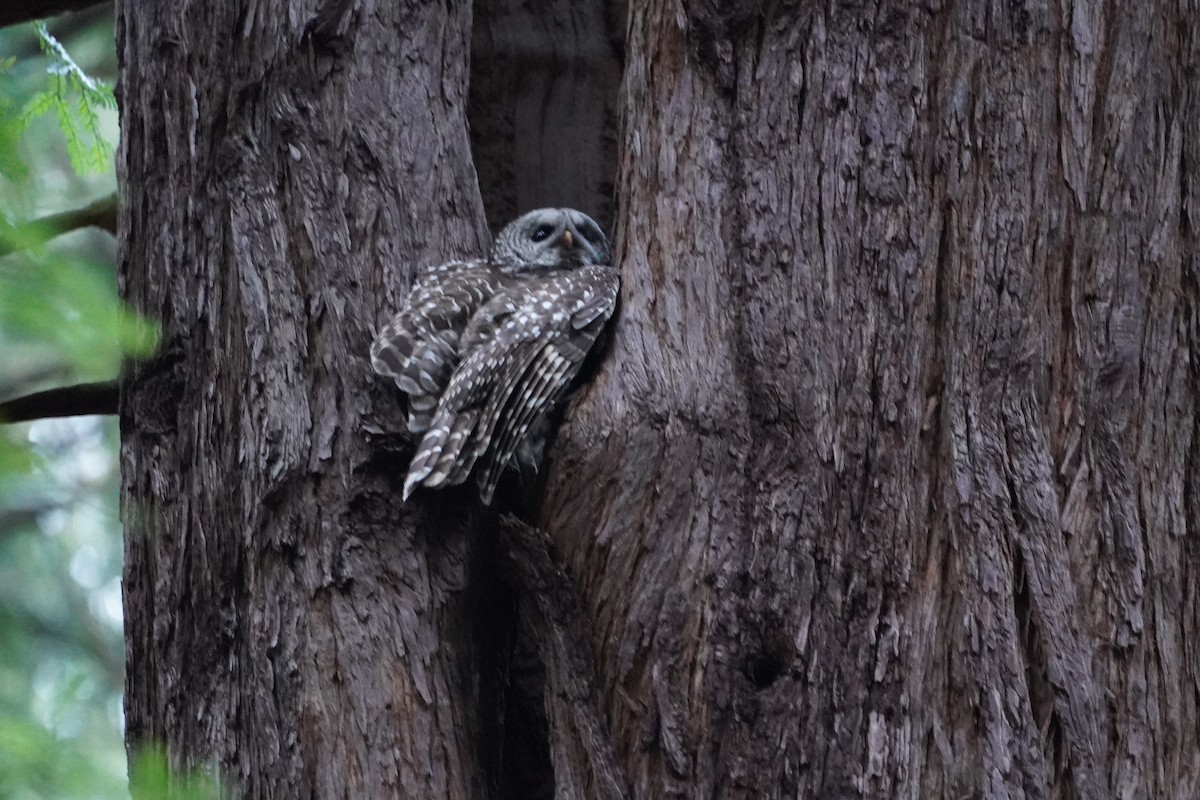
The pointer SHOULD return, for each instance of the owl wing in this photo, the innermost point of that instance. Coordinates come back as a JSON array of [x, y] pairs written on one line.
[[420, 347], [510, 380]]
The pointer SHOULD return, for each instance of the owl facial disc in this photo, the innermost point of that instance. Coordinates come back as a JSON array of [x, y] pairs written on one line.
[[550, 238]]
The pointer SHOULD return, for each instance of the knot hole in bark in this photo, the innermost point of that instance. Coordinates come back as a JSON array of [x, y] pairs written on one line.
[[771, 658]]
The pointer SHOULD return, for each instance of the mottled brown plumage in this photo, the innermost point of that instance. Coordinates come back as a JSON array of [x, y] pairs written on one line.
[[486, 349]]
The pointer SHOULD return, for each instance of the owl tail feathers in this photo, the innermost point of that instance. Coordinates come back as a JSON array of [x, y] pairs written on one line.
[[489, 478], [440, 452], [428, 452]]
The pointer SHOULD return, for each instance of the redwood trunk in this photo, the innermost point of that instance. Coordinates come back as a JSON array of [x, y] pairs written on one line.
[[290, 622], [889, 487]]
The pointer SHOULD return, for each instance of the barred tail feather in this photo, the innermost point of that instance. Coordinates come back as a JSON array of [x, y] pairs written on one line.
[[499, 398], [452, 449], [538, 397], [503, 395], [423, 462]]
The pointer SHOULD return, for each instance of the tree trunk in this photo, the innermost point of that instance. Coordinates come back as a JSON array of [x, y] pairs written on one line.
[[889, 486], [290, 621]]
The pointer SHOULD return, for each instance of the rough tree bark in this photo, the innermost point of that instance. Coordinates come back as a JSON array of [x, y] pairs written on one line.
[[889, 488], [285, 167]]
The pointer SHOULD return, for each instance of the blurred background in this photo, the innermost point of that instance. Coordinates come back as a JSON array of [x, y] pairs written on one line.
[[61, 651]]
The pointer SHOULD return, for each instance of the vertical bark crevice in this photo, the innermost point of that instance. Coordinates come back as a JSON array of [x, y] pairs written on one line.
[[542, 112], [1036, 680], [544, 79], [1060, 660], [577, 723]]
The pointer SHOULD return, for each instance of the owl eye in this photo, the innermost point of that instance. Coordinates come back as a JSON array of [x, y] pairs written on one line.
[[542, 233]]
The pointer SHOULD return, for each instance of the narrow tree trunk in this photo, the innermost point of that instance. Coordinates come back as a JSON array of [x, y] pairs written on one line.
[[290, 622], [889, 486]]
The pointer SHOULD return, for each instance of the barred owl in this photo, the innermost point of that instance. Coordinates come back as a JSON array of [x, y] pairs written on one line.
[[485, 349]]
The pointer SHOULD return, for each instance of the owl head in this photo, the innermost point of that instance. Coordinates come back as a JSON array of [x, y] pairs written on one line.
[[550, 238]]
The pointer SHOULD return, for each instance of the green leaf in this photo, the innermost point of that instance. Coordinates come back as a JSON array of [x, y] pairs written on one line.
[[39, 105], [87, 147]]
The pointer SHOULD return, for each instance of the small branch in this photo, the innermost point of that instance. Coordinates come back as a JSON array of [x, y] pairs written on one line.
[[14, 11], [64, 27], [100, 214], [67, 401], [559, 625]]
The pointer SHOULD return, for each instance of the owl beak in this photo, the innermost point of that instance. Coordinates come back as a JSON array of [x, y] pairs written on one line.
[[568, 240]]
